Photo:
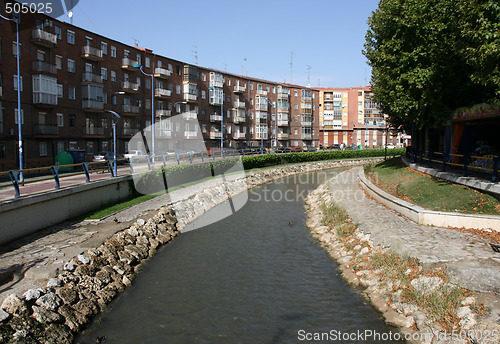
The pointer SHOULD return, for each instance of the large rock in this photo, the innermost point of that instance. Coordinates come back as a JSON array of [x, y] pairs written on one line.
[[14, 305], [56, 333], [427, 285], [32, 294], [3, 315], [45, 316], [49, 301], [68, 294]]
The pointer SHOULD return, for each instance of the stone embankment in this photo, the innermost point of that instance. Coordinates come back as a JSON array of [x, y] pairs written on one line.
[[92, 279], [360, 244]]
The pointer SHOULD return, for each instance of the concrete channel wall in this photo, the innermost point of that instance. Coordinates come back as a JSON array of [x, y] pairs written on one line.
[[28, 214]]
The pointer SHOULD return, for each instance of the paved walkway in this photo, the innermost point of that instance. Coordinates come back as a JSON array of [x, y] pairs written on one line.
[[468, 258]]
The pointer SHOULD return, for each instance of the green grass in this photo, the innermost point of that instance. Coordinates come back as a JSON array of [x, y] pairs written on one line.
[[100, 213], [428, 192]]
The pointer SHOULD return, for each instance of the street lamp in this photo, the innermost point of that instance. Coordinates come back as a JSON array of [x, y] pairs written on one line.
[[152, 109], [19, 117], [114, 120]]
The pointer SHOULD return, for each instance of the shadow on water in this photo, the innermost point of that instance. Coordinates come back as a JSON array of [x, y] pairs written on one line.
[[249, 278]]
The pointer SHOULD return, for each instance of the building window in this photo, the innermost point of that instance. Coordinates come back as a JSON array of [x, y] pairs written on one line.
[[295, 93], [296, 106], [14, 50], [228, 82], [139, 60], [203, 94], [90, 147], [15, 82], [113, 99], [60, 120], [148, 104], [71, 92], [148, 62], [178, 89], [113, 76], [203, 78], [71, 37], [60, 146], [104, 73], [251, 86], [43, 148], [148, 84], [104, 48], [203, 111], [15, 116], [58, 32], [71, 66], [72, 123], [159, 64], [59, 91], [113, 51], [59, 60]]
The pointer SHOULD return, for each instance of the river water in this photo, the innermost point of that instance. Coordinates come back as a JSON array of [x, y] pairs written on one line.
[[254, 277]]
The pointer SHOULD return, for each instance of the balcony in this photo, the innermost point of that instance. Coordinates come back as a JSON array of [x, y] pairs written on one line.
[[306, 123], [130, 109], [215, 118], [162, 93], [94, 131], [239, 104], [89, 77], [190, 115], [162, 73], [238, 135], [163, 113], [261, 136], [282, 122], [91, 53], [283, 94], [129, 64], [374, 124], [130, 87], [92, 104], [261, 92], [239, 89], [43, 38], [45, 129], [44, 67], [190, 97], [238, 119], [306, 136], [261, 120], [282, 136], [164, 133], [43, 98], [129, 131], [190, 134], [305, 105], [215, 135], [261, 106]]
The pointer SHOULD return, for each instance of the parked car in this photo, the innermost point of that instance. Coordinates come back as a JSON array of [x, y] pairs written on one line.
[[390, 146], [134, 154], [333, 147], [104, 156]]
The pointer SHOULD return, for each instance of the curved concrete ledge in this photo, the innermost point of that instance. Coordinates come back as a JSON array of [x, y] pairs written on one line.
[[429, 217], [475, 183]]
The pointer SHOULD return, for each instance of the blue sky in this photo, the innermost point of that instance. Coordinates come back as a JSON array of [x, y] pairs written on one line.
[[327, 35]]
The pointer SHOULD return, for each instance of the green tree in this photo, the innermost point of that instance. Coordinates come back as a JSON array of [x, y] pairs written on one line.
[[420, 73]]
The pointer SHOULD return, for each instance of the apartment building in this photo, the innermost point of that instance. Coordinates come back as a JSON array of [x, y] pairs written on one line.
[[350, 116], [71, 76]]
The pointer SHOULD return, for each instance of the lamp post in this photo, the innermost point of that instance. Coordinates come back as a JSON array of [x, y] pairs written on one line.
[[114, 120], [19, 116], [152, 109]]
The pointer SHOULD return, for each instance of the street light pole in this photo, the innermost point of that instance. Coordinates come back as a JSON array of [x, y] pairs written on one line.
[[117, 116], [152, 109], [19, 116]]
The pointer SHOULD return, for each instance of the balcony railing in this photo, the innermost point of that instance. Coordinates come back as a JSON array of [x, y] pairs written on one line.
[[306, 136], [44, 98], [215, 135], [94, 131], [44, 37], [282, 136], [282, 94], [261, 92], [130, 86], [91, 77], [215, 118], [129, 63], [238, 135], [190, 115], [238, 119], [260, 106], [216, 83], [161, 92], [190, 134], [91, 52], [304, 105], [239, 104], [41, 66], [127, 108], [92, 104], [189, 96], [162, 72], [307, 98], [130, 131], [372, 124], [261, 136], [163, 113], [160, 132], [282, 122], [261, 120], [306, 123], [45, 129], [239, 89]]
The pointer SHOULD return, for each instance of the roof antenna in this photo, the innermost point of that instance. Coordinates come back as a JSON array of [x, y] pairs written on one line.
[[195, 51], [136, 42], [308, 76], [291, 67]]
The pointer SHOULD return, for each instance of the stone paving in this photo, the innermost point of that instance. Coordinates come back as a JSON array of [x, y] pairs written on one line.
[[468, 258]]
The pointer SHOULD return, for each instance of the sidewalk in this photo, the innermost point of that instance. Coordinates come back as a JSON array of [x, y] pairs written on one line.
[[468, 259]]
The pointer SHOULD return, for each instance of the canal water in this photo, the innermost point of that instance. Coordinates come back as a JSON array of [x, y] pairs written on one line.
[[254, 277]]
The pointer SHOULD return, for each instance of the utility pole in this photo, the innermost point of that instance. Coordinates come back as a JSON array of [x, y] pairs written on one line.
[[291, 67], [308, 76]]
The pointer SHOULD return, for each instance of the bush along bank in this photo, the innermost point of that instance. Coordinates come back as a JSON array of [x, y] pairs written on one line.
[[422, 303], [87, 283]]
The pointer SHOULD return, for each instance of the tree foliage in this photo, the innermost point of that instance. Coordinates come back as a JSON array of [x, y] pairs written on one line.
[[430, 57]]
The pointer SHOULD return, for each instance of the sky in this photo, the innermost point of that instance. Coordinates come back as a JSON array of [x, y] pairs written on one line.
[[327, 35]]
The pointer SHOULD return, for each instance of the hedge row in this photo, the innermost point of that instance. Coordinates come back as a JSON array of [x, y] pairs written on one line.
[[164, 178]]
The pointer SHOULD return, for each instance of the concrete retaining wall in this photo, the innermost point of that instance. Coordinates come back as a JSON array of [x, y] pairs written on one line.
[[28, 214], [428, 217]]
